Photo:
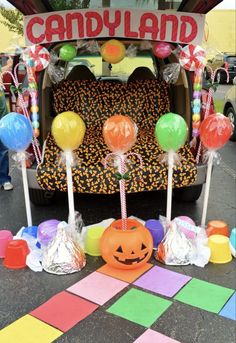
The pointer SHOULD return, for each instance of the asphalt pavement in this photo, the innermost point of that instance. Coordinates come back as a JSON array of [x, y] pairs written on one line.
[[23, 290]]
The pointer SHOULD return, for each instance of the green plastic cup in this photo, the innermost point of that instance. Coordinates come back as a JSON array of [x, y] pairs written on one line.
[[92, 240]]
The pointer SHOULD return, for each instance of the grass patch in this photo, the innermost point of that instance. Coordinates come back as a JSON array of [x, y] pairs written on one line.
[[218, 103]]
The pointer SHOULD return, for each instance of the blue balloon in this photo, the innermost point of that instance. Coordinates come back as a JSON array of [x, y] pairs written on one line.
[[15, 131]]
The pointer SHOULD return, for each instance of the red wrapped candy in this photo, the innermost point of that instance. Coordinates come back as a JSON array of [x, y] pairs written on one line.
[[215, 131]]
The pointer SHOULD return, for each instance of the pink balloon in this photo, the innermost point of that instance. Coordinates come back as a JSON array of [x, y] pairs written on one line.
[[162, 49]]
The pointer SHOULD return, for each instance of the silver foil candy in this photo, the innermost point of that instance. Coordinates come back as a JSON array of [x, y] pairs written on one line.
[[64, 254]]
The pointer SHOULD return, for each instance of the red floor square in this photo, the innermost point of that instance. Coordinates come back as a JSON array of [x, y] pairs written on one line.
[[64, 310]]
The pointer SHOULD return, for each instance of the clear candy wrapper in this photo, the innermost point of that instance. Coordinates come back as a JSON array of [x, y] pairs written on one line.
[[178, 249], [64, 254], [20, 156], [131, 51], [79, 223], [90, 46], [170, 72], [53, 57], [56, 73], [74, 161], [145, 45]]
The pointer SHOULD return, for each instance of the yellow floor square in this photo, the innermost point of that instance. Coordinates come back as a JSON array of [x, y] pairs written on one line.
[[28, 329]]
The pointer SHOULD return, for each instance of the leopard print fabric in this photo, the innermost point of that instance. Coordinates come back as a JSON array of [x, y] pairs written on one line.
[[144, 102]]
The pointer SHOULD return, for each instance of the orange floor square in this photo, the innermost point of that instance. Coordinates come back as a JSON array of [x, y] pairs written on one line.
[[129, 275]]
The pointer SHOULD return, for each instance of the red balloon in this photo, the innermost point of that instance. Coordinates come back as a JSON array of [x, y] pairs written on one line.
[[162, 49], [215, 131]]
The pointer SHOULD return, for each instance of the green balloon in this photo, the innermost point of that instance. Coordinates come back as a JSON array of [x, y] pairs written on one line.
[[171, 131], [67, 52]]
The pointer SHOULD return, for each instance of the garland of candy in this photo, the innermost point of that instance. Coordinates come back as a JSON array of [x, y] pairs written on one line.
[[36, 59], [196, 104], [192, 58], [34, 109]]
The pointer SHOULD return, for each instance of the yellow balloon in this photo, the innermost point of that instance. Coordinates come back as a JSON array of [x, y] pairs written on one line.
[[113, 51], [68, 130]]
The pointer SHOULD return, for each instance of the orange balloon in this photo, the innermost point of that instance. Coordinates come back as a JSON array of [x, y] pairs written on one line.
[[119, 133], [113, 51]]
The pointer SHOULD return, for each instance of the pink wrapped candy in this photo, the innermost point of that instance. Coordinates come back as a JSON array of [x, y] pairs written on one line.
[[186, 225]]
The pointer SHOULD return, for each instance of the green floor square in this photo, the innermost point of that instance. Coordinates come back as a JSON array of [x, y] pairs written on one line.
[[204, 295], [139, 307]]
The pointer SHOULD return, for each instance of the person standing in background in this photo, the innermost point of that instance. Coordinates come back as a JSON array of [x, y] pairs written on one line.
[[5, 179]]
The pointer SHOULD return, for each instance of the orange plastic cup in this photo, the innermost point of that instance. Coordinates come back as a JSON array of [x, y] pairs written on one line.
[[16, 252], [217, 227]]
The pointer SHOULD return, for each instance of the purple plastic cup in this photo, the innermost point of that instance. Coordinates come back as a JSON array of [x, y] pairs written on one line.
[[157, 231], [5, 237], [47, 230]]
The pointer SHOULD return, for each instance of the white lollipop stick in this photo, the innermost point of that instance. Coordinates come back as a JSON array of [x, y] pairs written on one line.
[[25, 187], [169, 186], [207, 188], [70, 193]]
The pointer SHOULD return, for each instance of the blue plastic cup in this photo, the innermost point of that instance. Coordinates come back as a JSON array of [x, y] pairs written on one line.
[[232, 241], [157, 231]]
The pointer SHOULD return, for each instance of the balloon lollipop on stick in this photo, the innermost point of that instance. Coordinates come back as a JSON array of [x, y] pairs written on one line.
[[171, 133], [215, 131], [16, 134], [68, 130], [120, 134]]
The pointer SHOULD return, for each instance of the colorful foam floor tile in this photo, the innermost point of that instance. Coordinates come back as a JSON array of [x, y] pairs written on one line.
[[162, 281], [28, 329], [204, 295], [124, 275], [64, 310], [139, 307], [154, 336], [229, 310], [98, 287]]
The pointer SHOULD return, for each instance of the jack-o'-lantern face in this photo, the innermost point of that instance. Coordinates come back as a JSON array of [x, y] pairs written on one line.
[[126, 249]]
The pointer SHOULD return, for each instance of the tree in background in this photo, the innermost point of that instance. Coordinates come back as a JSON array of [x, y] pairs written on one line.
[[12, 19], [69, 5]]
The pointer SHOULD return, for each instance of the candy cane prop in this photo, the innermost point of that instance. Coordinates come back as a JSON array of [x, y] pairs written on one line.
[[15, 80], [122, 176]]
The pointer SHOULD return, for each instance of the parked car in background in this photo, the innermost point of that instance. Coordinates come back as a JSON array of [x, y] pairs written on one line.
[[230, 108], [227, 61]]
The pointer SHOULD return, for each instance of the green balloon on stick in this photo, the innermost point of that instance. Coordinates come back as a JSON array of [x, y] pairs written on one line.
[[171, 131], [67, 52]]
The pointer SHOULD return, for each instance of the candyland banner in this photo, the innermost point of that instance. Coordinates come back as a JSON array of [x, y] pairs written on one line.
[[177, 27]]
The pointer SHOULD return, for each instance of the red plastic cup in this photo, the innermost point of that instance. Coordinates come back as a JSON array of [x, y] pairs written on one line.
[[16, 252], [5, 237], [217, 227]]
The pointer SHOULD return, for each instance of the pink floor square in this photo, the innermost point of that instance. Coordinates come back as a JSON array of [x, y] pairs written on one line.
[[98, 287], [153, 336], [64, 310]]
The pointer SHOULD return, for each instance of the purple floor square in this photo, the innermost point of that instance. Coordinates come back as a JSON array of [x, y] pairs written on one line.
[[162, 281]]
